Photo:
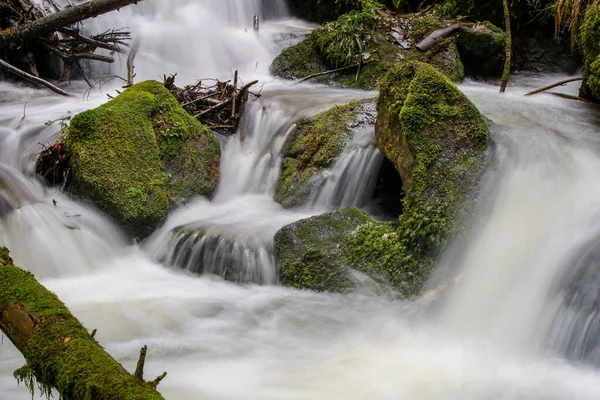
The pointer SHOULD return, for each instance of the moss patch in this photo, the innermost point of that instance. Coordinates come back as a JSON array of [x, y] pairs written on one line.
[[312, 251], [437, 139], [129, 154], [60, 353], [315, 144], [589, 43]]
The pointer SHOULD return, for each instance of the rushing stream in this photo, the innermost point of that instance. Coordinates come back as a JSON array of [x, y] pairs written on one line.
[[522, 324]]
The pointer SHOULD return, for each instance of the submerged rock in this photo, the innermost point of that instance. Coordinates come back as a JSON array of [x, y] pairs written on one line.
[[313, 252], [131, 154], [315, 144]]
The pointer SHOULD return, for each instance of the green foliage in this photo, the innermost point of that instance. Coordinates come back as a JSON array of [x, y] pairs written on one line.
[[589, 43], [343, 41]]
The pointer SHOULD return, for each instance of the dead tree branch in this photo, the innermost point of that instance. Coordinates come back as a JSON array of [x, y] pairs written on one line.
[[561, 83], [32, 79], [435, 36]]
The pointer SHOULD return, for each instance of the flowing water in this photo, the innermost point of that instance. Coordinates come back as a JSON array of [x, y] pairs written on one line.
[[521, 324]]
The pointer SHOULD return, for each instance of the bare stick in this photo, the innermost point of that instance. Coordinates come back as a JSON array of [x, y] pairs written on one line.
[[435, 36], [233, 104], [561, 83], [334, 71], [130, 60], [33, 79], [139, 369], [508, 46]]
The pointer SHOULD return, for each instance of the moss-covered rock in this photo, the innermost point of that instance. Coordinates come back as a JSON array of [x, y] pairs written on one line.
[[438, 141], [589, 43], [130, 154], [315, 144], [481, 49], [382, 39], [312, 251]]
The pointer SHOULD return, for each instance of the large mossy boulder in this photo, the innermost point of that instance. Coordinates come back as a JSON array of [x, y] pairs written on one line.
[[438, 141], [314, 146], [589, 43], [131, 154], [381, 39], [482, 49], [312, 252]]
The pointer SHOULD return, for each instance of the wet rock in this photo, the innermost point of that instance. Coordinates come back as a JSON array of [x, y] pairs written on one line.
[[386, 38], [482, 49], [438, 141], [131, 154], [313, 252], [315, 144]]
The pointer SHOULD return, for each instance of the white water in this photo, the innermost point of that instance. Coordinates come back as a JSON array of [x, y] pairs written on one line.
[[500, 335]]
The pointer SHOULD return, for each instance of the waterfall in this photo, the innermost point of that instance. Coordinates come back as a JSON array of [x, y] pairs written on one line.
[[521, 324]]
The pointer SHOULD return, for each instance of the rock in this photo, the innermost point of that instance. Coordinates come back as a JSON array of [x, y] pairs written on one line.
[[314, 146], [589, 42], [481, 49], [312, 251], [387, 38], [539, 52], [132, 153], [438, 141]]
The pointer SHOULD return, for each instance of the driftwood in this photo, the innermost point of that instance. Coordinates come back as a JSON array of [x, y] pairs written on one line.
[[219, 105], [59, 351], [53, 22], [32, 78], [333, 71], [435, 36], [508, 47], [431, 295], [25, 22], [561, 83]]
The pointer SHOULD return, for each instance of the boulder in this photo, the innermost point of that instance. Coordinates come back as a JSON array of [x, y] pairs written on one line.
[[312, 252], [130, 155], [314, 145], [383, 40], [438, 142], [482, 49]]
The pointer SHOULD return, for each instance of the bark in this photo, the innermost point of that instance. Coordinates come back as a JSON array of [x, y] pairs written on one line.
[[32, 78], [435, 36], [60, 352], [508, 60], [65, 17], [543, 89]]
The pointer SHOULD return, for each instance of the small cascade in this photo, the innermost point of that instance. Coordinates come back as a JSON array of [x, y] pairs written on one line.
[[353, 176]]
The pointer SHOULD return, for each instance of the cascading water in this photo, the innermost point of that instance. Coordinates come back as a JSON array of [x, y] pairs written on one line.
[[518, 326]]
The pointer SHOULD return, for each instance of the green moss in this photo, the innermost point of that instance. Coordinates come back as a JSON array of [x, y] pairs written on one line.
[[130, 153], [482, 49], [60, 353], [437, 140], [315, 144], [328, 10], [312, 252], [589, 43]]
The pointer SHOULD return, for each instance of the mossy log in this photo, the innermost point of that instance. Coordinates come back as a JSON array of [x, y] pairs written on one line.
[[59, 351], [53, 22]]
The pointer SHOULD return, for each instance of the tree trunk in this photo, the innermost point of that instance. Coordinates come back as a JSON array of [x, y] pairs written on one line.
[[65, 17], [60, 352]]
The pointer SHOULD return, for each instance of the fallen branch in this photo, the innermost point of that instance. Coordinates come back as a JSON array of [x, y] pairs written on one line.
[[357, 65], [64, 18], [508, 47], [435, 36], [59, 351], [32, 78], [433, 294], [561, 83]]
